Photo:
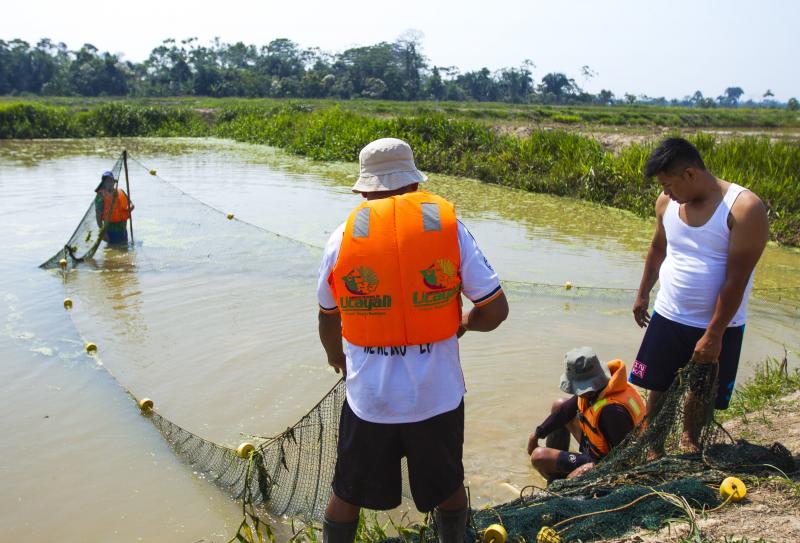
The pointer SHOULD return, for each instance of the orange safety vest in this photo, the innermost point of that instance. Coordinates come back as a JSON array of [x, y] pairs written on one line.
[[120, 213], [397, 280], [618, 391]]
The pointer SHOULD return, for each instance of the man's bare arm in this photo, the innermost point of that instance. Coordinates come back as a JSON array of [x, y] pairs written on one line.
[[487, 317], [652, 264], [749, 235], [330, 334]]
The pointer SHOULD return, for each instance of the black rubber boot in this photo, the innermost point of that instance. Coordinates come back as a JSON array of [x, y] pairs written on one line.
[[452, 525], [338, 532], [558, 439]]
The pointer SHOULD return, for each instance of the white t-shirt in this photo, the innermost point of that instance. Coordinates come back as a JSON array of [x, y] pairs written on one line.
[[393, 385]]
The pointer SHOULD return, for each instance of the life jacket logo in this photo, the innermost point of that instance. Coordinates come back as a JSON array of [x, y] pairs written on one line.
[[440, 275], [362, 282], [442, 278]]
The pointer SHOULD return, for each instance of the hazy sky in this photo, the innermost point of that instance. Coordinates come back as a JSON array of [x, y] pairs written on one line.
[[668, 48]]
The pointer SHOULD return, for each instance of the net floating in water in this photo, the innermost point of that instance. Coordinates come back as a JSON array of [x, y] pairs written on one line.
[[291, 473]]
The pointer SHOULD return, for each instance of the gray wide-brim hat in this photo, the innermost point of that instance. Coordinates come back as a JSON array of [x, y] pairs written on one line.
[[387, 164], [584, 372]]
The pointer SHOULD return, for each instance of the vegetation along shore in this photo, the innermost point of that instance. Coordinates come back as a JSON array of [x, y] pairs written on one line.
[[552, 160]]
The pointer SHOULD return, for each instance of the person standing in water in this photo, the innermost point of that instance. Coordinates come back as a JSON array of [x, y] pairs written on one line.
[[112, 205], [709, 236]]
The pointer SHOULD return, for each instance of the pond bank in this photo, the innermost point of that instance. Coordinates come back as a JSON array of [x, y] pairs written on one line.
[[556, 162]]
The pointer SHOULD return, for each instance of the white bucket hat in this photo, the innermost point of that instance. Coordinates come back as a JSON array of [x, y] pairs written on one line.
[[387, 164]]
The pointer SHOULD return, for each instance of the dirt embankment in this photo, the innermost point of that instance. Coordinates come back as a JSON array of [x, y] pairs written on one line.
[[771, 510]]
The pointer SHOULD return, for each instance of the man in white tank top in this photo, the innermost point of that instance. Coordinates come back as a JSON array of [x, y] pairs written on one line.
[[709, 236]]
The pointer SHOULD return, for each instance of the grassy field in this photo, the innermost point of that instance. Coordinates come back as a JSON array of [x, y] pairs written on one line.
[[629, 116], [556, 161]]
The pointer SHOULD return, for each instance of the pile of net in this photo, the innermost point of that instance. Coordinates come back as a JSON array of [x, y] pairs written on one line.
[[290, 474], [629, 489]]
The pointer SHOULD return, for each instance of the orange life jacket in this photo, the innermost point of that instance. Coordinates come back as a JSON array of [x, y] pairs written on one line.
[[120, 213], [618, 391], [397, 279]]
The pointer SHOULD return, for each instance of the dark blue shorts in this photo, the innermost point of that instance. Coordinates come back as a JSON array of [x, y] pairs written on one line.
[[568, 461], [117, 238], [667, 346]]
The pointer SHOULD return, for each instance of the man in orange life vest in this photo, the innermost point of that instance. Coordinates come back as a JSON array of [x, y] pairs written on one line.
[[602, 411], [111, 204], [389, 292]]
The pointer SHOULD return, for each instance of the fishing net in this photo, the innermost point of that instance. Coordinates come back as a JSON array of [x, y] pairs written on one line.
[[190, 244], [185, 249], [646, 481], [84, 242], [290, 474]]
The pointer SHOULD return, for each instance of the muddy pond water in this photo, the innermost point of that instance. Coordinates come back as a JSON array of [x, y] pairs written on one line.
[[216, 321]]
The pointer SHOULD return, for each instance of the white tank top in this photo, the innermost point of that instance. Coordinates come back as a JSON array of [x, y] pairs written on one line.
[[694, 270]]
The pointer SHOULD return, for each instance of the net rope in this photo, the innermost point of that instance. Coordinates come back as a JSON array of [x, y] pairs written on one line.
[[290, 473]]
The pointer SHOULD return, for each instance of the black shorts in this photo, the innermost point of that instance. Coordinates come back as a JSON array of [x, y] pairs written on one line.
[[368, 461], [568, 461], [667, 347]]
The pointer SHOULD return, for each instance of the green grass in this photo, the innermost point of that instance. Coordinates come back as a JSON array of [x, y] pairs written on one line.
[[487, 112], [771, 381], [559, 162]]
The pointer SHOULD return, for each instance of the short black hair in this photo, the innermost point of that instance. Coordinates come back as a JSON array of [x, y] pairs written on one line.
[[671, 155]]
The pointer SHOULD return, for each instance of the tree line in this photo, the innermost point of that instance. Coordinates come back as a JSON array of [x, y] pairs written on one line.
[[390, 71]]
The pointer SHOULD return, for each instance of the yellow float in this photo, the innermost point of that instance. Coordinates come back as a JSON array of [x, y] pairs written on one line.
[[152, 172], [568, 285], [495, 533], [91, 348], [62, 263], [732, 489], [146, 404], [245, 450], [230, 216], [548, 535], [67, 303]]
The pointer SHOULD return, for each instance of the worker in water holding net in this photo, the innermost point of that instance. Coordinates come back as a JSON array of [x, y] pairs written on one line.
[[112, 206], [709, 236], [599, 415], [390, 283]]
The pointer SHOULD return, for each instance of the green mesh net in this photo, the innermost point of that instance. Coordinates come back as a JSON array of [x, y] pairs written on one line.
[[289, 474], [646, 481], [84, 242]]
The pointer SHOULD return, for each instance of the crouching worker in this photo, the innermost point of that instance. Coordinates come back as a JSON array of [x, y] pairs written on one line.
[[603, 409]]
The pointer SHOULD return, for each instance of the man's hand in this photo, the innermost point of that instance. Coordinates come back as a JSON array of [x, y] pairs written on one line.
[[707, 349], [640, 310], [652, 264], [580, 470], [339, 364], [330, 334], [533, 443]]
